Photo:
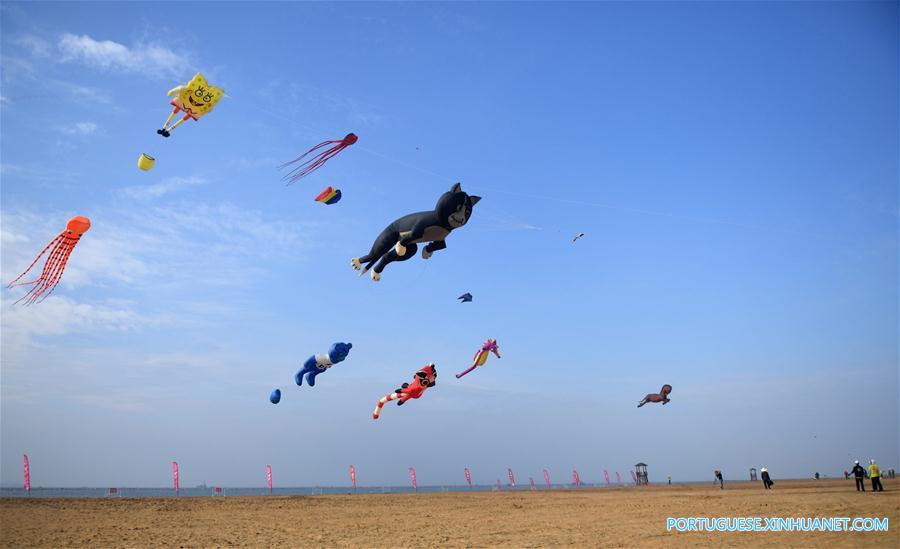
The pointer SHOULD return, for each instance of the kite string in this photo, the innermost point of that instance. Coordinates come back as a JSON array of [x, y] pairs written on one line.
[[443, 177]]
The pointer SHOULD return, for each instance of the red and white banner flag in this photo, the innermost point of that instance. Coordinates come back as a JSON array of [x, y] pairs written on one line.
[[512, 478], [27, 474], [606, 476], [175, 474], [269, 477], [618, 479], [532, 482], [575, 478], [547, 478], [468, 477], [634, 477], [412, 475], [353, 477]]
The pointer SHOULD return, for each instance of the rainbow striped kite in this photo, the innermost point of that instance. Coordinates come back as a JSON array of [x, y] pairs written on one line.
[[329, 196]]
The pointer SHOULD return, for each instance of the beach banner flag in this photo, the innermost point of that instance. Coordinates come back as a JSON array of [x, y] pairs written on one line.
[[547, 478], [269, 477], [532, 482], [618, 479], [634, 477], [606, 476], [412, 475], [575, 478], [512, 478], [27, 471], [353, 477], [175, 475], [498, 485], [468, 477]]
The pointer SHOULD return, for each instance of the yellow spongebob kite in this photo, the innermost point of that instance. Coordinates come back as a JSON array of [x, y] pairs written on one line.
[[195, 98]]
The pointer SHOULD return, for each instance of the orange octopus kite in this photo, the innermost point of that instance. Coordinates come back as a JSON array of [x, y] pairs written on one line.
[[62, 245]]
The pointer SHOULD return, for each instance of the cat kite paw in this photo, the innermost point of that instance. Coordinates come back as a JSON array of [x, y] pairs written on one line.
[[355, 263], [400, 249], [376, 276], [425, 254]]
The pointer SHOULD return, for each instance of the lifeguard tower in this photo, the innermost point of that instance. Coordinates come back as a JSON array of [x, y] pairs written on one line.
[[753, 473], [640, 470]]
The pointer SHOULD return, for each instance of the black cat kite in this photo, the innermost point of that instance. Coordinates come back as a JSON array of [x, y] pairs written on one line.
[[398, 241]]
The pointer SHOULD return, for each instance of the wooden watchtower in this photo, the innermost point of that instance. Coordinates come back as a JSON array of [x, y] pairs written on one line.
[[640, 470]]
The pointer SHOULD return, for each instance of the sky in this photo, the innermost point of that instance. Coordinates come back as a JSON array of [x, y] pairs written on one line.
[[733, 166]]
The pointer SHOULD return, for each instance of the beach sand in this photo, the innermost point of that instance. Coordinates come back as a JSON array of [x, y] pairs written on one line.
[[618, 517]]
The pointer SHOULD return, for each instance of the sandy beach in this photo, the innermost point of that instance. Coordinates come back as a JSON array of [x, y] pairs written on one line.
[[620, 517]]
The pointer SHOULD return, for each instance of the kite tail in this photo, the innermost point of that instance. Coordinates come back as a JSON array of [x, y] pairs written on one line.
[[384, 400], [52, 243], [51, 274], [318, 160], [464, 372]]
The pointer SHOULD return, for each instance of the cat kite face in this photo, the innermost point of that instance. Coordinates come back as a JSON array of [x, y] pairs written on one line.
[[455, 206]]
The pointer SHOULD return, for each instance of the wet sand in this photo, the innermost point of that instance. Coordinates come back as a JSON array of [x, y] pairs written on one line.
[[618, 517]]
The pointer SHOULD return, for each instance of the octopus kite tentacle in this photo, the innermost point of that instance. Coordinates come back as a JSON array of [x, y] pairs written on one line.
[[424, 378], [61, 248], [318, 160]]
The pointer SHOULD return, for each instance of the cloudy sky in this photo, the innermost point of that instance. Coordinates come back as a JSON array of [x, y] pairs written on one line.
[[733, 166]]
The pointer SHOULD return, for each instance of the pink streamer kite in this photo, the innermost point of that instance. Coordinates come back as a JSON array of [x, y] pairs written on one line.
[[269, 477], [27, 474], [319, 159], [547, 478], [412, 475], [175, 475]]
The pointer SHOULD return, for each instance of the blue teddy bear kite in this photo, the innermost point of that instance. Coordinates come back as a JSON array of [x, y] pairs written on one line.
[[317, 364]]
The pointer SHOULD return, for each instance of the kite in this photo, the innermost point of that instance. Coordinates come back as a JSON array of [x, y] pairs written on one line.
[[577, 236], [145, 162], [329, 196], [196, 98], [424, 378], [62, 245], [661, 396], [489, 346], [275, 396], [317, 364], [465, 298], [398, 241], [319, 159]]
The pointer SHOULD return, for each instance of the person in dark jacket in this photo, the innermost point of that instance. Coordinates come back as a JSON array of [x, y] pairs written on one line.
[[860, 475], [767, 480], [720, 479]]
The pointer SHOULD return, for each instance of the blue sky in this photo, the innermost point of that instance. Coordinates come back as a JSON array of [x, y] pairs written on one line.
[[734, 168]]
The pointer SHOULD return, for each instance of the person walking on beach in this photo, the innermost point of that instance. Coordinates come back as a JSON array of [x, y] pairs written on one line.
[[846, 475], [875, 475], [670, 479], [860, 475], [767, 480], [817, 475], [720, 479]]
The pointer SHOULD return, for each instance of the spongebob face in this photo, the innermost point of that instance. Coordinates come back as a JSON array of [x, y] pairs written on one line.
[[199, 97]]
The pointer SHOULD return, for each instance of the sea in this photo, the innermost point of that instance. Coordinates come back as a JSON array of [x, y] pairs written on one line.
[[211, 491]]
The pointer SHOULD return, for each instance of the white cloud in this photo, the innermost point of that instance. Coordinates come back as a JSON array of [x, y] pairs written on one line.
[[37, 46], [80, 128], [108, 55], [164, 187]]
